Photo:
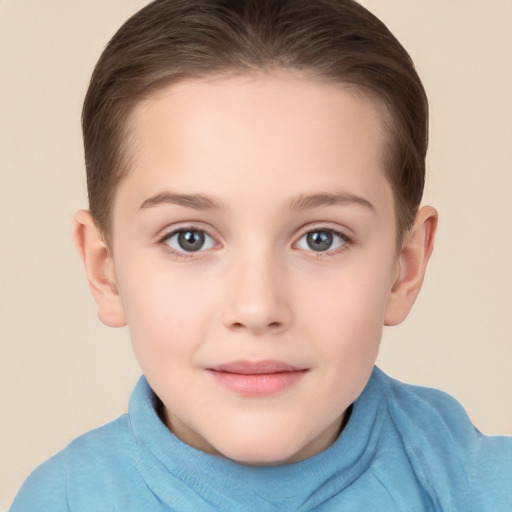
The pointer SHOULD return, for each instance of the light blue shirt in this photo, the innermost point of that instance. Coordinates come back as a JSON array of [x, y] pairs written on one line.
[[404, 448]]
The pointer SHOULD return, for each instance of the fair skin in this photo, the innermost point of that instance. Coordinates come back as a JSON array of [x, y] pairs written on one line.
[[253, 257]]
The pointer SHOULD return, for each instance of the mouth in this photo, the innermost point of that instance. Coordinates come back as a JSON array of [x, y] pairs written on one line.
[[257, 379]]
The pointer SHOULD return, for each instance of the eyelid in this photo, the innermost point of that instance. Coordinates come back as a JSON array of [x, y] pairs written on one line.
[[209, 244], [348, 240], [173, 230]]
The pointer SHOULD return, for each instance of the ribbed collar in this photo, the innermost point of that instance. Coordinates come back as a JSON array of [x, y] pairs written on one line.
[[224, 483]]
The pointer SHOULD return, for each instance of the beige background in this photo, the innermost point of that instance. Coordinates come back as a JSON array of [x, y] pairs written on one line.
[[63, 373]]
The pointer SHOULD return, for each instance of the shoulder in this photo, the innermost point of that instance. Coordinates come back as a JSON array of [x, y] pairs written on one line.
[[83, 471], [423, 408], [433, 412], [446, 451]]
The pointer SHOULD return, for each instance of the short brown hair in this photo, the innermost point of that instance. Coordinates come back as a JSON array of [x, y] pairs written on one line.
[[170, 40]]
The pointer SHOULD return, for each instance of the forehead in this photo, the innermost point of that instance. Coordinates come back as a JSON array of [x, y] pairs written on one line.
[[231, 134]]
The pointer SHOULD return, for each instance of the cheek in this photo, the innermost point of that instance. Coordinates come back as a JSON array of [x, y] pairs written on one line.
[[347, 323], [353, 297], [167, 313], [346, 319]]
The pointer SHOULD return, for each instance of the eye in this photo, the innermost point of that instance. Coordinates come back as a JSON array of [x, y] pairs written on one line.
[[189, 240], [322, 240]]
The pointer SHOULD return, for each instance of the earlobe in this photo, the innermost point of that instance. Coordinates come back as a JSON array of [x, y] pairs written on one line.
[[99, 267], [412, 262]]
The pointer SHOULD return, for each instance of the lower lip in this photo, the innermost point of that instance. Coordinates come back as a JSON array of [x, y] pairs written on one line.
[[257, 385]]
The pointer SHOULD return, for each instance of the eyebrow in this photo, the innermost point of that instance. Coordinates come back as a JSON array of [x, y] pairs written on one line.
[[307, 202], [300, 203], [195, 201]]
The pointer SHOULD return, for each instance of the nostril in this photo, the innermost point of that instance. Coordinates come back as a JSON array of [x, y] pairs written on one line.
[[240, 325]]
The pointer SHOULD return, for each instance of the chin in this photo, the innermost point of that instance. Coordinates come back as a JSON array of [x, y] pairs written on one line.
[[269, 443], [264, 453], [263, 460]]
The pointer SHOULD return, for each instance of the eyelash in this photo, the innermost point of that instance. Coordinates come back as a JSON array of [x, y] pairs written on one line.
[[346, 242], [177, 254], [184, 255]]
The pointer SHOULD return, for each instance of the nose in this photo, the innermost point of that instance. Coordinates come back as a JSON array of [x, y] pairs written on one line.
[[257, 297]]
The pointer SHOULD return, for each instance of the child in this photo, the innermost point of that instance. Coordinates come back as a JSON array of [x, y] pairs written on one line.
[[255, 170]]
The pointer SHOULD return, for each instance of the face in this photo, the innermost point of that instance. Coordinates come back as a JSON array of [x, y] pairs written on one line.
[[254, 254]]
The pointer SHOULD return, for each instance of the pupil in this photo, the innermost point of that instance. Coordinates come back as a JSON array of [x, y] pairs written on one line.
[[191, 240], [319, 240]]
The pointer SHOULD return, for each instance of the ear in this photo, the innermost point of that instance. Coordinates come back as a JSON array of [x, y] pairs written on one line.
[[412, 262], [99, 267]]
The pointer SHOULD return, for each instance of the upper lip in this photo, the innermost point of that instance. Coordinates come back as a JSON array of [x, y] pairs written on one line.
[[255, 367]]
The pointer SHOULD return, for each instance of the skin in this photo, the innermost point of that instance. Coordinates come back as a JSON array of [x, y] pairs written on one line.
[[256, 163]]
